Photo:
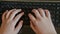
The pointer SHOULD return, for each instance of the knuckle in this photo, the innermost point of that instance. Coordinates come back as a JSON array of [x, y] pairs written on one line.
[[34, 21]]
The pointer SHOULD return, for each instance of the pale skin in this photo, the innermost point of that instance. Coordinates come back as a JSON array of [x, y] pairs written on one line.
[[9, 21], [41, 24]]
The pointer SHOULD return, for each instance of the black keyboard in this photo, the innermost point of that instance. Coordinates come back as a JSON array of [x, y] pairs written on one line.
[[53, 7]]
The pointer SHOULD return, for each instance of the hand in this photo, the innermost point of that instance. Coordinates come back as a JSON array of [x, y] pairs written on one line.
[[41, 24], [9, 21]]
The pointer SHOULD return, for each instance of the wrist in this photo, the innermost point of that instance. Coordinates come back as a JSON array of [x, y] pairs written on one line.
[[52, 32]]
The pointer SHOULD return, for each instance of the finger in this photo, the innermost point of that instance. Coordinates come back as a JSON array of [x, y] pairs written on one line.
[[8, 14], [41, 12], [14, 13], [4, 15], [17, 18], [19, 26], [36, 13], [32, 18], [32, 26], [4, 18], [48, 13]]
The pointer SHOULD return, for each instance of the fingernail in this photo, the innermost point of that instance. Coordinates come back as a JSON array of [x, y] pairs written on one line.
[[18, 9], [39, 8], [33, 9], [29, 14], [21, 21], [22, 12], [6, 10], [14, 9]]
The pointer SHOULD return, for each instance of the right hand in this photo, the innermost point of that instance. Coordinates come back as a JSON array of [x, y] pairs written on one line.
[[42, 23]]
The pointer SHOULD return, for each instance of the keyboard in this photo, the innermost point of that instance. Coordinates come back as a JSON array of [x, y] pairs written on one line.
[[53, 7]]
